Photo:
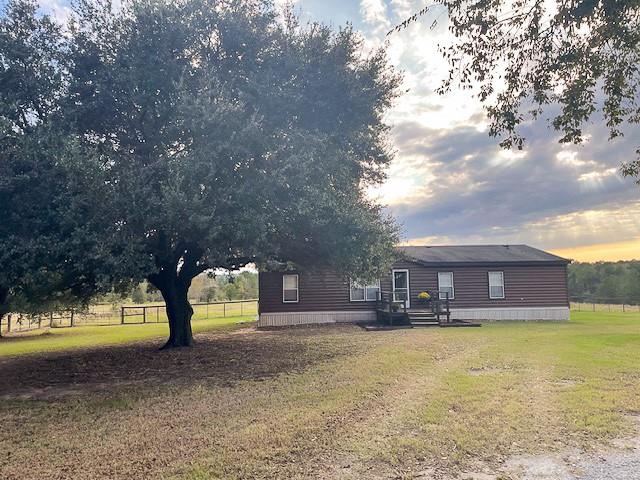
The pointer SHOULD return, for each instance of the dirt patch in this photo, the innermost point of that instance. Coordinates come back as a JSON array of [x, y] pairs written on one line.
[[221, 359], [621, 462], [566, 383], [476, 371], [537, 467]]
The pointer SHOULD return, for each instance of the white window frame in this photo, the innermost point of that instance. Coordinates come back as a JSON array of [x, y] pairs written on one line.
[[353, 284], [489, 282], [297, 288], [453, 287]]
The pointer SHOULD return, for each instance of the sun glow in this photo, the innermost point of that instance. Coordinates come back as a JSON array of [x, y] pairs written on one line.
[[629, 250]]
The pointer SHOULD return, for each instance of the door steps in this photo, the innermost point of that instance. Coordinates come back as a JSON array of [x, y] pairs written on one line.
[[422, 318]]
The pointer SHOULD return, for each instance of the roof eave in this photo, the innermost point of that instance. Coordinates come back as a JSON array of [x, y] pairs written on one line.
[[520, 263]]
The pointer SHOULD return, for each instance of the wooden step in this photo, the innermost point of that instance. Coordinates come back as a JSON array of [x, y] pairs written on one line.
[[421, 316], [424, 323]]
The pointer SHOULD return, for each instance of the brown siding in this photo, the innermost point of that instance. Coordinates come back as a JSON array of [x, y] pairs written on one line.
[[317, 291], [525, 286]]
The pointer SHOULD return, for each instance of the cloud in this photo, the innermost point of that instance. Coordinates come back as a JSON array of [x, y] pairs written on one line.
[[452, 183], [403, 8], [374, 13], [468, 189], [60, 10]]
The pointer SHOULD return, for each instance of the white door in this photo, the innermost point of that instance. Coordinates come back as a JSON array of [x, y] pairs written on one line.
[[400, 279]]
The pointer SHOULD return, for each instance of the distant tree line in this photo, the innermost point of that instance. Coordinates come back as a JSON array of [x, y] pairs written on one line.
[[218, 288], [605, 282], [205, 288]]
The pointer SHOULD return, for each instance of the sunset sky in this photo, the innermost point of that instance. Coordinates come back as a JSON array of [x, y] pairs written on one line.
[[450, 183]]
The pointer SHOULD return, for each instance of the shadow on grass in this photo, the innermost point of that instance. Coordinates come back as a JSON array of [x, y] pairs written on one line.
[[26, 336], [215, 359]]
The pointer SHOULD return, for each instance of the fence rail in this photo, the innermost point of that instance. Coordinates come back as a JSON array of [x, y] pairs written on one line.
[[136, 314], [127, 314], [591, 306]]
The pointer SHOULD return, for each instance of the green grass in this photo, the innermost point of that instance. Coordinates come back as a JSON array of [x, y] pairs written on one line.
[[341, 401], [57, 339]]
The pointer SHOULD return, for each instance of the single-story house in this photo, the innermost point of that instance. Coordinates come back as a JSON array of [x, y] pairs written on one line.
[[480, 282]]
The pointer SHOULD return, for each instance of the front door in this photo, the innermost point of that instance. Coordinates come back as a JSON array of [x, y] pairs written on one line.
[[400, 285]]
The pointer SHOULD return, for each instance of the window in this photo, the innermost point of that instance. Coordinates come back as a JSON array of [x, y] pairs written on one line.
[[445, 285], [290, 288], [496, 285], [362, 293]]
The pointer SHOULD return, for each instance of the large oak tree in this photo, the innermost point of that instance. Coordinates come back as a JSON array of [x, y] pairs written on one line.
[[225, 134]]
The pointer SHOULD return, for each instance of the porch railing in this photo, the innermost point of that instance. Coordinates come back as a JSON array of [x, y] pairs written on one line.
[[441, 306], [390, 306]]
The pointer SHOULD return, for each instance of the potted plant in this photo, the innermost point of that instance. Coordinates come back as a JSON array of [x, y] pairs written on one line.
[[424, 297]]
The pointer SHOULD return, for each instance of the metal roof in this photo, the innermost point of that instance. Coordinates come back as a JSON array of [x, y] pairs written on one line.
[[479, 254]]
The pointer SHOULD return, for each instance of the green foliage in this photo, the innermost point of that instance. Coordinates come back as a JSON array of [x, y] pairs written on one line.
[[208, 294], [235, 286], [238, 139], [51, 253], [138, 295], [522, 56], [605, 282]]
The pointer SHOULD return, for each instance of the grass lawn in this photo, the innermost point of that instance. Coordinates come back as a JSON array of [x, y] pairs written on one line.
[[69, 338], [326, 402]]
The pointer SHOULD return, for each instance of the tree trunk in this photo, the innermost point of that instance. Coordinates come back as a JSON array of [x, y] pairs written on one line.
[[176, 270], [179, 313]]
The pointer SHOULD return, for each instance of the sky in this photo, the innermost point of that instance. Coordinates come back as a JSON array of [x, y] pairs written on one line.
[[450, 183]]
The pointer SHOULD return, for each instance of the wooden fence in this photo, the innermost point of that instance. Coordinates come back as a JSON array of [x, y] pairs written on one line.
[[201, 311], [105, 315], [586, 306]]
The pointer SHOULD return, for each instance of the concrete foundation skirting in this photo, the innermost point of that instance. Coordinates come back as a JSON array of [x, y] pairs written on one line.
[[279, 319], [512, 313]]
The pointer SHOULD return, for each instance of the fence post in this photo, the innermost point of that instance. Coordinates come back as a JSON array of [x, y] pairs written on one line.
[[144, 314], [72, 319], [121, 315], [207, 310], [8, 323], [623, 308], [594, 306], [224, 309]]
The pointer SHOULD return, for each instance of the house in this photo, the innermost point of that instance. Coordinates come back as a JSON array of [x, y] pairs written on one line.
[[480, 282]]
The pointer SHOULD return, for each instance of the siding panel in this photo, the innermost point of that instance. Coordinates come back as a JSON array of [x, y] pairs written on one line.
[[525, 286], [317, 291]]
